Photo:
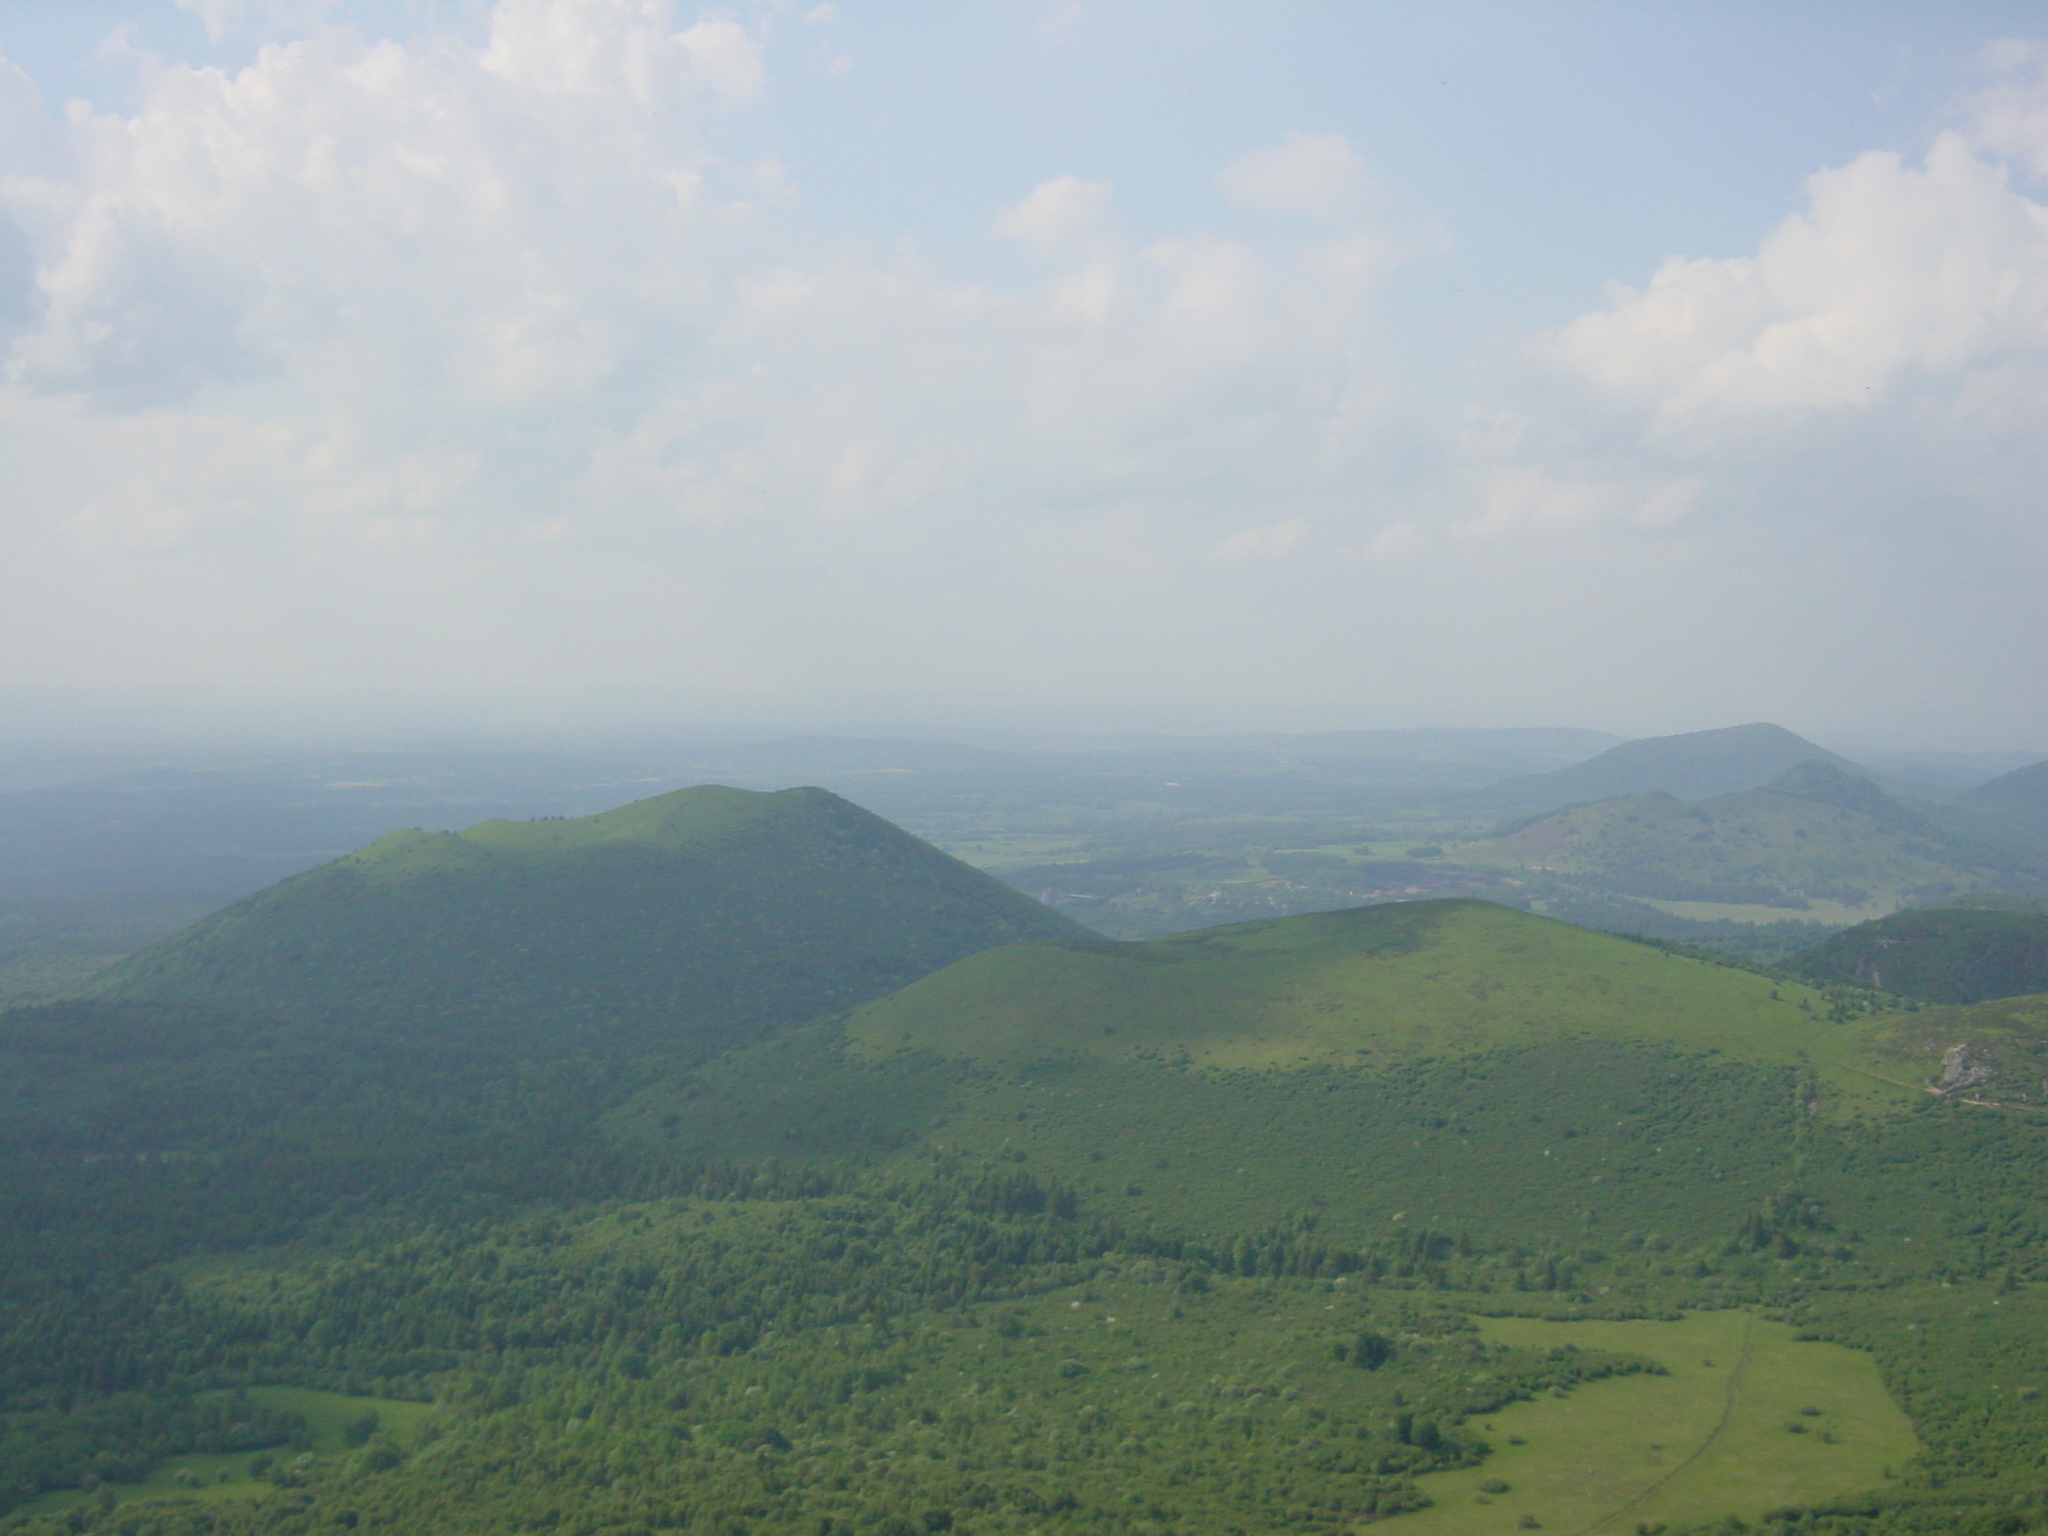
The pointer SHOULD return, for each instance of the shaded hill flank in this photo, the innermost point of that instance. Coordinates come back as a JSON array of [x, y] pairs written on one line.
[[1938, 955], [1694, 766], [680, 920], [1254, 1059], [1816, 833]]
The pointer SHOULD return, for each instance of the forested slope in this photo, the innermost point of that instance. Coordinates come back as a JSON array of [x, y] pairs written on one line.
[[1937, 954], [680, 920]]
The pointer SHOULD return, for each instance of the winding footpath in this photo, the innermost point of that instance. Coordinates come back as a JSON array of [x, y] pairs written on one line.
[[1730, 1397]]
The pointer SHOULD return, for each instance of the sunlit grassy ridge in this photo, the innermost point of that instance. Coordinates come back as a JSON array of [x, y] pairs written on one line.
[[1453, 1063], [1372, 986], [686, 819]]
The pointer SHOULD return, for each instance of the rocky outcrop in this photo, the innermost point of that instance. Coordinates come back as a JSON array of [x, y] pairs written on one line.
[[1964, 1066]]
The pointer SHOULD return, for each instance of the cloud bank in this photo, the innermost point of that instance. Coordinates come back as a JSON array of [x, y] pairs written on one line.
[[453, 362]]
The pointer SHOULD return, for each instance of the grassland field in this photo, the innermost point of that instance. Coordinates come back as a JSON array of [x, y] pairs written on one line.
[[1748, 1418], [336, 1427], [1829, 914]]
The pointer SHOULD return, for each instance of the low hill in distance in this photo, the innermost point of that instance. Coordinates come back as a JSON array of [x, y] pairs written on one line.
[[1814, 838], [1692, 766], [674, 922], [1936, 954], [2011, 809]]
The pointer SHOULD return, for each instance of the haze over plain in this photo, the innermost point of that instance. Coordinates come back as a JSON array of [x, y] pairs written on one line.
[[1183, 367]]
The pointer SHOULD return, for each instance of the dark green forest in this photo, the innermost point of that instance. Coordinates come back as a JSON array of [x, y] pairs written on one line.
[[708, 911]]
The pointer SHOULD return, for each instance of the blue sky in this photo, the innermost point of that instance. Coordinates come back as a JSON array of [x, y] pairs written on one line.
[[1642, 367]]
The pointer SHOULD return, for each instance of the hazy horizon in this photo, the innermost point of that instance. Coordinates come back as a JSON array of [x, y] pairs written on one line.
[[566, 722]]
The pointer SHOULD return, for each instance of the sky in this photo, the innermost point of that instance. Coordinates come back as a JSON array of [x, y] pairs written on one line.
[[1097, 365]]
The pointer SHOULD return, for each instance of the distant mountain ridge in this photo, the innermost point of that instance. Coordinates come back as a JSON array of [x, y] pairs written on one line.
[[2022, 789], [1814, 833], [2011, 808], [690, 918], [1694, 766]]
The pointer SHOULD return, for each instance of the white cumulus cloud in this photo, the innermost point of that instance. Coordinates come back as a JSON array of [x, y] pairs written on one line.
[[1395, 544], [1528, 499], [1059, 214], [1271, 541], [1317, 174], [477, 358], [485, 334], [2011, 113], [628, 48], [1894, 272]]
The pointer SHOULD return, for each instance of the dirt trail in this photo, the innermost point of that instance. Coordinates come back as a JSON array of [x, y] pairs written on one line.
[[1729, 1399], [2032, 1109]]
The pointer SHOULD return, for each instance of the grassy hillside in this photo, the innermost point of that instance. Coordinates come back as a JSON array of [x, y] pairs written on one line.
[[1372, 986], [1998, 901], [1937, 954], [1458, 1064], [1454, 1061], [1815, 836], [679, 919], [1693, 766], [1993, 1053]]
